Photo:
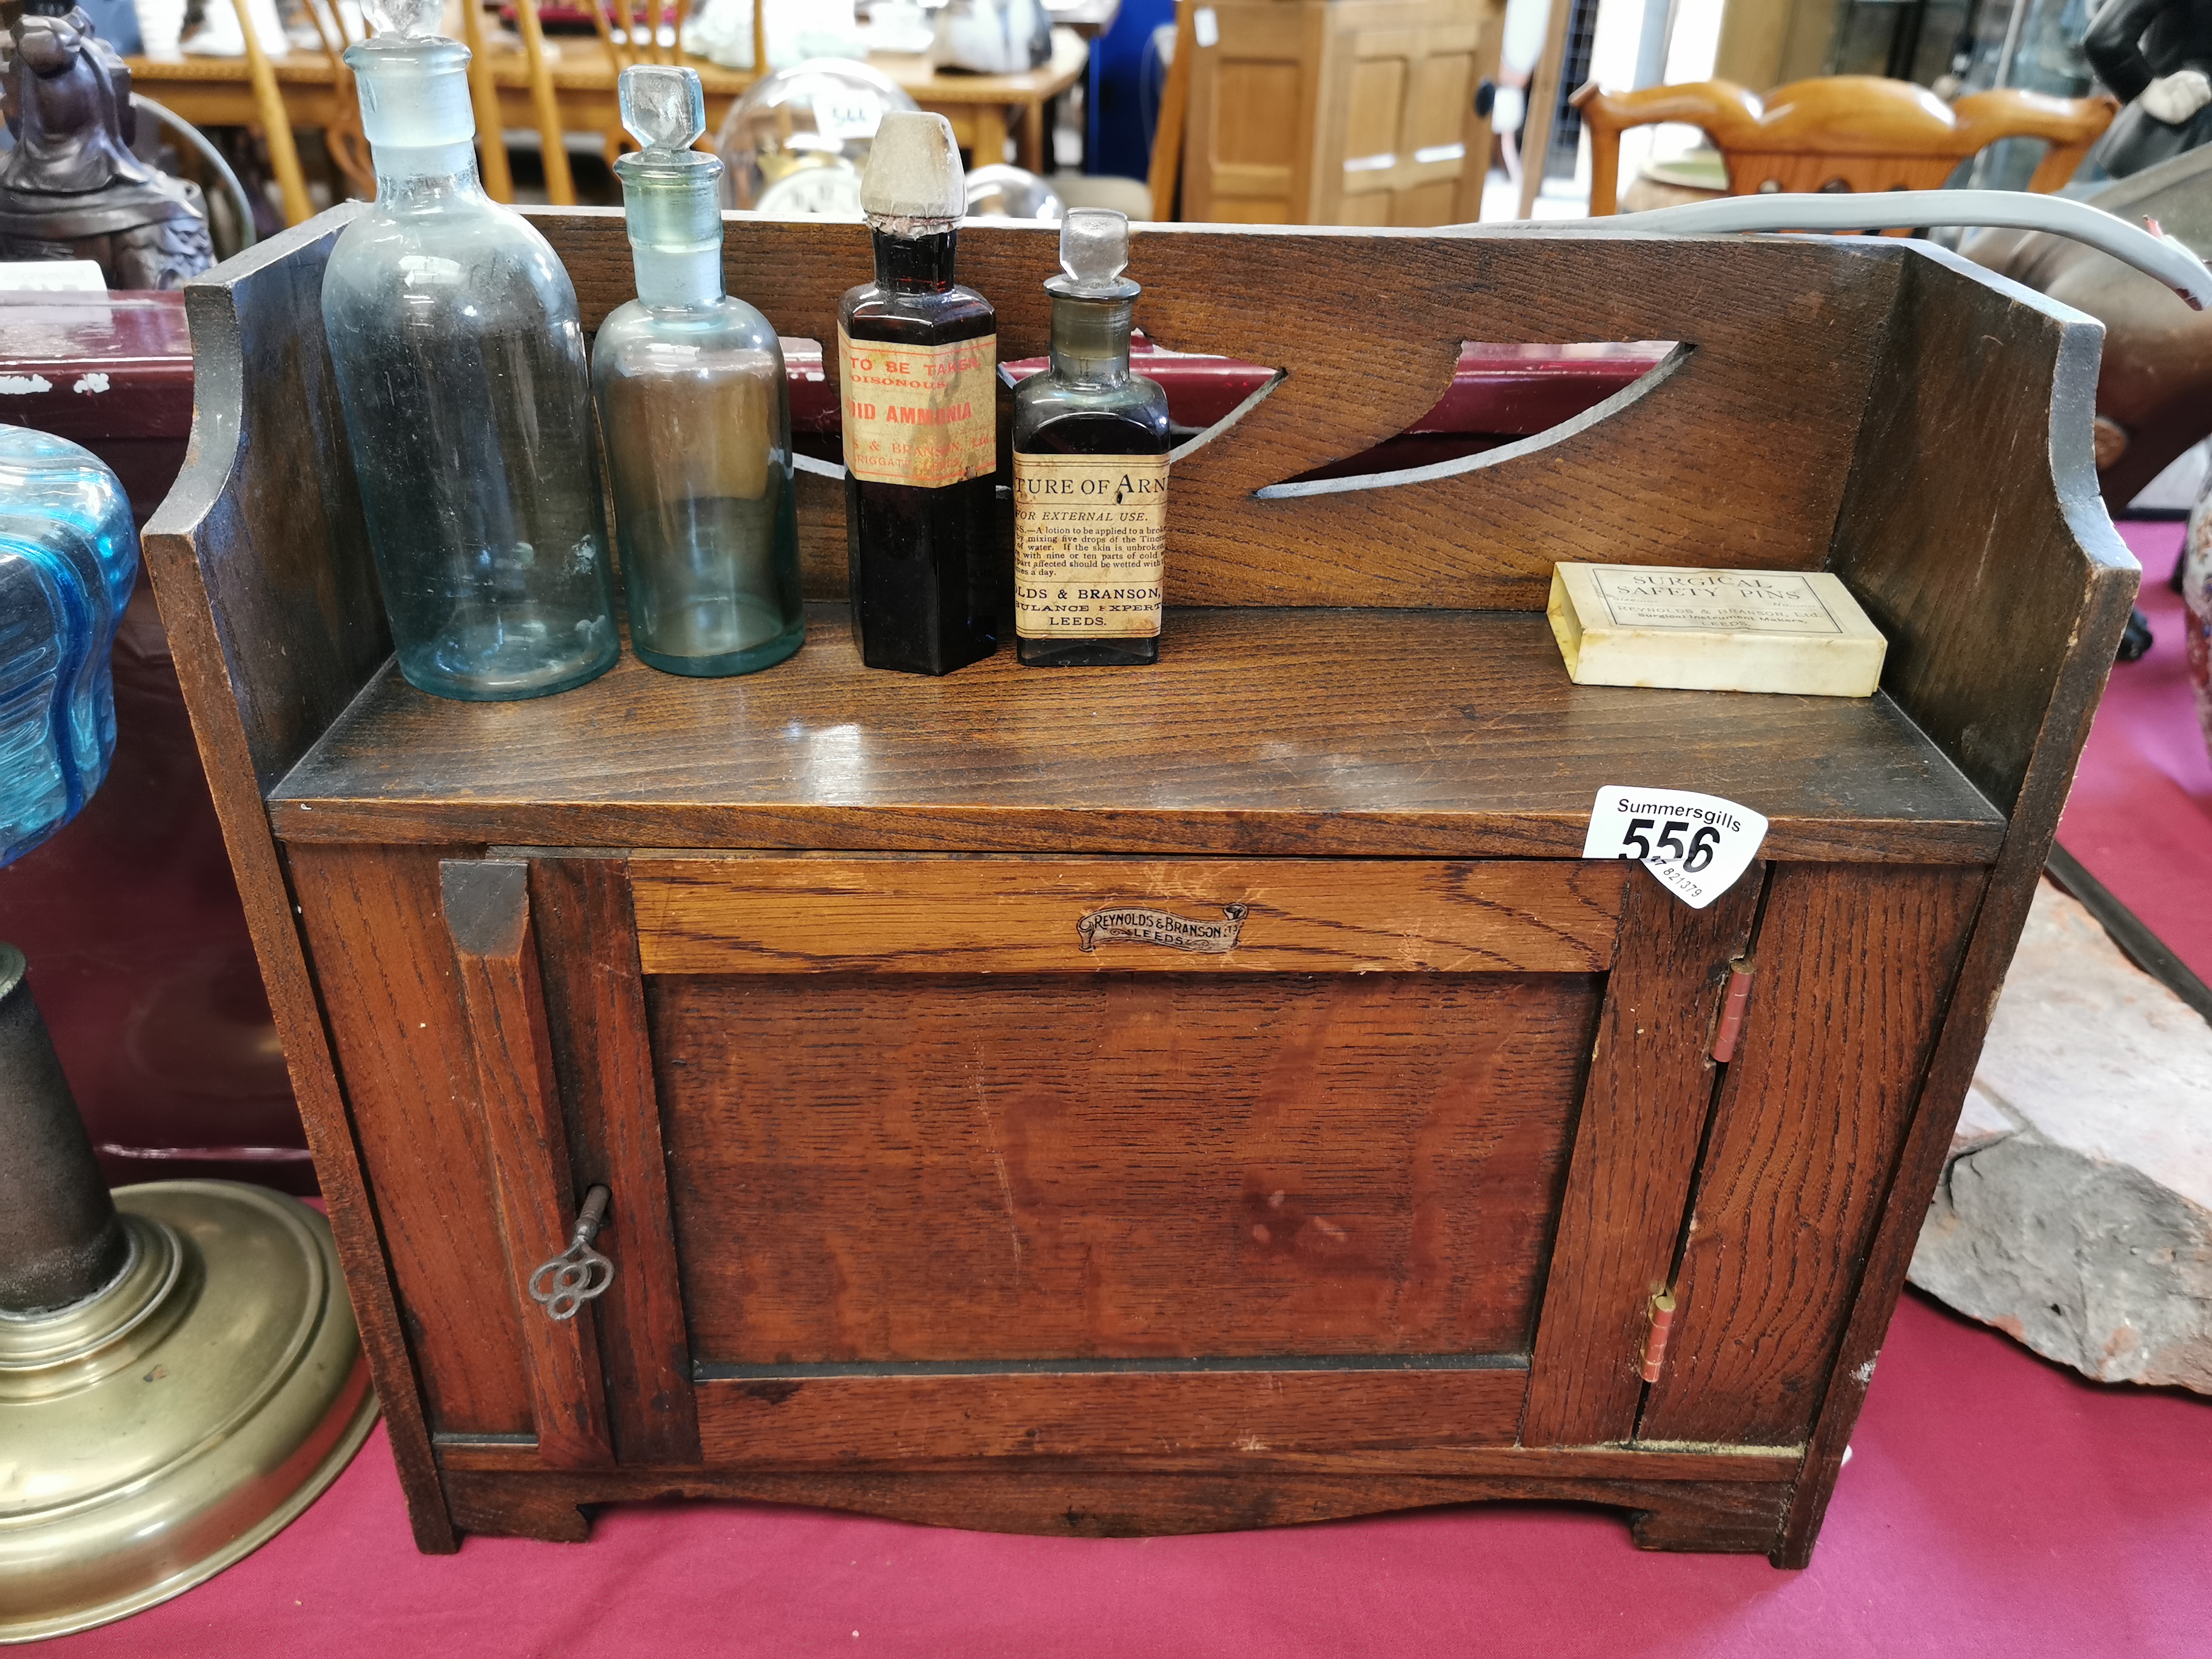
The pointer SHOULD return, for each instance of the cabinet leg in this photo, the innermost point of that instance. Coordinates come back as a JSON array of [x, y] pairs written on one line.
[[515, 1506], [1741, 1518]]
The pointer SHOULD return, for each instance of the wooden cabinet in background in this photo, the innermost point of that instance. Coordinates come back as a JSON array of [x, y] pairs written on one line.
[[1340, 112], [1204, 1095]]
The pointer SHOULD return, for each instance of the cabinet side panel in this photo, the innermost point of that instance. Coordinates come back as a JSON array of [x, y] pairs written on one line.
[[385, 968], [1973, 531], [263, 525], [233, 561], [1974, 674], [1636, 1148], [1854, 970]]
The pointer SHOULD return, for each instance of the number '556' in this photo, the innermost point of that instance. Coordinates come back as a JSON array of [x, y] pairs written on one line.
[[1695, 857]]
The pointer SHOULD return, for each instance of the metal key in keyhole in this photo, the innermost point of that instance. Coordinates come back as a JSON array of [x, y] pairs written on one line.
[[579, 1273]]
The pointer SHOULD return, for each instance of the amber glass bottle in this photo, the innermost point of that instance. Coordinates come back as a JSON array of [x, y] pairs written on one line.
[[1091, 470], [917, 361]]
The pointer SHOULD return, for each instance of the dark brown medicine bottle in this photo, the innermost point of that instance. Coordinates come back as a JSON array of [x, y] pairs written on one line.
[[1091, 470], [918, 358]]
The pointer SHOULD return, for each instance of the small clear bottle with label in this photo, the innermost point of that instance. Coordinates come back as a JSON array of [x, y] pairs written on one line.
[[696, 414], [917, 358], [1091, 470]]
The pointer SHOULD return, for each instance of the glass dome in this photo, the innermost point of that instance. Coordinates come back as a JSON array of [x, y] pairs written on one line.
[[795, 143]]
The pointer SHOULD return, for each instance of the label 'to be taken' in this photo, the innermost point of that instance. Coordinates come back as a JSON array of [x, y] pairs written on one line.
[[922, 416]]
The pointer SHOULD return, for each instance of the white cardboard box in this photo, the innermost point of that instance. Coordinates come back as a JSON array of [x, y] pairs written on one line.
[[1693, 629]]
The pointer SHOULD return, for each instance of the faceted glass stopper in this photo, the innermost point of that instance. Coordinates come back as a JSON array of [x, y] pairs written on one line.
[[408, 19], [1094, 248], [663, 107]]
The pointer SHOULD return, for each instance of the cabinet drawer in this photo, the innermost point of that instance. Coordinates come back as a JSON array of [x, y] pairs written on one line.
[[1043, 915]]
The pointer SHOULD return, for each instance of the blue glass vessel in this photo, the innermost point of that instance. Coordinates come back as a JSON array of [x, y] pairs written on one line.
[[69, 557]]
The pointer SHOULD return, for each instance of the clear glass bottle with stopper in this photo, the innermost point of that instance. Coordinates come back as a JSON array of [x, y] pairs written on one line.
[[1091, 470], [917, 357], [461, 370], [696, 414]]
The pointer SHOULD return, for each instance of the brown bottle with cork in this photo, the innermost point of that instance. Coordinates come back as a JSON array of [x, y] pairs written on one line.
[[917, 358]]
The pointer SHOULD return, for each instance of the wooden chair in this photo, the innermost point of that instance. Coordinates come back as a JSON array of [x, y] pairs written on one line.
[[618, 25], [349, 145], [276, 122], [1841, 132], [344, 138], [559, 184]]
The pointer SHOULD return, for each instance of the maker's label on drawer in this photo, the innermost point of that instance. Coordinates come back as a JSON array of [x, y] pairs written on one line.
[[1127, 925], [1696, 845], [925, 416], [1090, 545]]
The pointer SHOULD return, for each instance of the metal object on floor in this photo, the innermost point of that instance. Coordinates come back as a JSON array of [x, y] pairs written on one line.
[[179, 1371]]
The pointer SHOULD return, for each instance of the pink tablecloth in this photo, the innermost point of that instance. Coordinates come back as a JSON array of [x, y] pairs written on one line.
[[2141, 813]]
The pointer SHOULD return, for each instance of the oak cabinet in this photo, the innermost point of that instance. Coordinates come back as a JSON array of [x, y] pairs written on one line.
[[1203, 1096]]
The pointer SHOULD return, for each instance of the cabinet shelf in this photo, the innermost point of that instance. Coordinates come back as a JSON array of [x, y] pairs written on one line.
[[1262, 733]]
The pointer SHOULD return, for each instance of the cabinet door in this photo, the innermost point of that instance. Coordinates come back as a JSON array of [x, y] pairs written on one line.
[[947, 1158], [1096, 1157]]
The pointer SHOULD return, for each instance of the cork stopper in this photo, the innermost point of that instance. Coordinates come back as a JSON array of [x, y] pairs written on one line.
[[1094, 252], [914, 171]]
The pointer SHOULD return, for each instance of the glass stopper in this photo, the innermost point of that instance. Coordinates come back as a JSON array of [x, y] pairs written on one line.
[[408, 19], [1094, 249], [663, 107]]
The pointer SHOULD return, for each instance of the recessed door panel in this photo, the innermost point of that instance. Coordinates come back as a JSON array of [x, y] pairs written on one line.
[[975, 1168]]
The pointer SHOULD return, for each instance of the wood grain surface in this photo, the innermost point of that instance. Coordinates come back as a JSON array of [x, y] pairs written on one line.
[[1664, 1514], [1853, 977], [486, 904], [595, 1005], [2062, 557], [1398, 733], [844, 1419], [1983, 593], [802, 916], [1125, 1165], [1739, 458], [385, 967], [1635, 1149], [1751, 1465], [224, 555]]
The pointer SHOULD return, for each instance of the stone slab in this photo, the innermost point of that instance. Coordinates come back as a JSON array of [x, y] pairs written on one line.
[[2076, 1212]]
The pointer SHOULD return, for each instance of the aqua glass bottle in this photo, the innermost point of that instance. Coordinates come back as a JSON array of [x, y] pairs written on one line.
[[695, 412], [69, 557], [461, 368]]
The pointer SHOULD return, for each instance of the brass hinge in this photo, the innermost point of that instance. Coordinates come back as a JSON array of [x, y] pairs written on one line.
[[1662, 1326], [1731, 1025]]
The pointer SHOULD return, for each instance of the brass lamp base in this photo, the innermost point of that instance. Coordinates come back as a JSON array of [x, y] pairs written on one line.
[[155, 1433]]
